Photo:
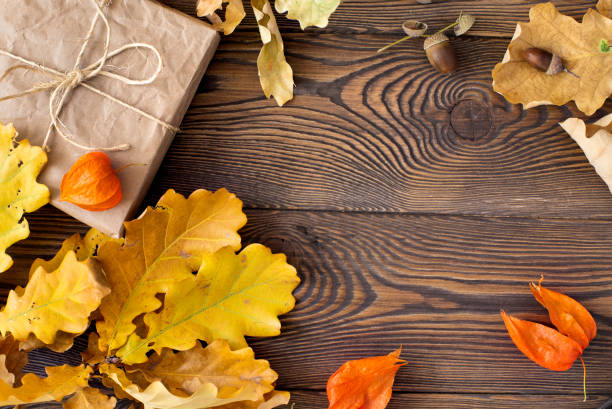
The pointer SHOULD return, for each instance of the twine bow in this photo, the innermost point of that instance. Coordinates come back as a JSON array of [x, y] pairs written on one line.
[[62, 83]]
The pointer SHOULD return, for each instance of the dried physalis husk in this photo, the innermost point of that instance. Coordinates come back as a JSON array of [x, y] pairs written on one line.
[[464, 23], [92, 183], [414, 28]]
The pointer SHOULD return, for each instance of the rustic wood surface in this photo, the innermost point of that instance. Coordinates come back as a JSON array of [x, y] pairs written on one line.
[[414, 205]]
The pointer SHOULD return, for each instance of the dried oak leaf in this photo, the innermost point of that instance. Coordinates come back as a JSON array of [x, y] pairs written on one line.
[[605, 7], [269, 401], [308, 12], [275, 74], [90, 398], [59, 300], [595, 140], [162, 248], [234, 13], [196, 378], [364, 383], [577, 44], [61, 381], [231, 296], [12, 361], [20, 164]]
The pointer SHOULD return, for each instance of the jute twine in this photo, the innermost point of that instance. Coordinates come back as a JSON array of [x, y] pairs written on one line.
[[62, 83]]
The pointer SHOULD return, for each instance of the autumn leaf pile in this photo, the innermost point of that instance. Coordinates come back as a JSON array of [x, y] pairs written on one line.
[[275, 74], [174, 283]]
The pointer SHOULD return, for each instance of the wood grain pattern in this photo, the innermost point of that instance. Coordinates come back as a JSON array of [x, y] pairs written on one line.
[[493, 18], [434, 284], [370, 132], [414, 206]]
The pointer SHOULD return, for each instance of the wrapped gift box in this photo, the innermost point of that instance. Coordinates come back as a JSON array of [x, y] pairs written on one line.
[[51, 33]]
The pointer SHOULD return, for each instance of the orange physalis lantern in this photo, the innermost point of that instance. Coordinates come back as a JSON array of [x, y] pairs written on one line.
[[364, 383], [554, 349], [92, 183]]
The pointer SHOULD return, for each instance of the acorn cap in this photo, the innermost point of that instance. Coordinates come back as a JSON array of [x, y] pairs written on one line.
[[464, 23], [555, 66], [434, 39], [414, 28]]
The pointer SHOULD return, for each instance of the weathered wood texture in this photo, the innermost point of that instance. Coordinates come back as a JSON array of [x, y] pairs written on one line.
[[382, 133], [434, 284], [494, 18], [414, 206]]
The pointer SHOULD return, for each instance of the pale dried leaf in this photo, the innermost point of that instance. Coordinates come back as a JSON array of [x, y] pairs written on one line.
[[577, 44], [308, 12], [234, 13], [275, 74], [596, 142], [605, 7]]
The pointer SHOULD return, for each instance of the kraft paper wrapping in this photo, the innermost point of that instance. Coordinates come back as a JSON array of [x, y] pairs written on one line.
[[51, 33]]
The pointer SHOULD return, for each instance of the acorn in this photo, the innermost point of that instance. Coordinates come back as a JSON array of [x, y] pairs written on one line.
[[440, 53], [550, 63]]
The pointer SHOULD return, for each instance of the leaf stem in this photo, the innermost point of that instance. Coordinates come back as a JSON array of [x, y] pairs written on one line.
[[584, 379], [394, 43], [443, 29]]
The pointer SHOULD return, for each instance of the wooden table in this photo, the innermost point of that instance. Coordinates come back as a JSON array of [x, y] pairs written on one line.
[[414, 205]]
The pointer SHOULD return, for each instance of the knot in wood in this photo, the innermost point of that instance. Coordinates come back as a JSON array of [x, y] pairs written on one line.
[[471, 120]]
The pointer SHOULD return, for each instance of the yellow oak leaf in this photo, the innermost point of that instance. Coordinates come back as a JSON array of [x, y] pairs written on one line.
[[595, 140], [60, 300], [197, 378], [308, 12], [12, 361], [232, 295], [578, 46], [162, 248], [20, 164], [275, 74], [84, 248], [234, 13], [60, 381], [90, 398]]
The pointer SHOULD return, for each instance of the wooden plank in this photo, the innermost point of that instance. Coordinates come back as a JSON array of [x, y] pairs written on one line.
[[312, 399], [493, 18], [318, 400], [380, 132], [434, 284]]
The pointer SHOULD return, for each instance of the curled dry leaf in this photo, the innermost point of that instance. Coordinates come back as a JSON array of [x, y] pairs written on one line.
[[577, 44], [232, 295], [275, 74], [20, 164], [91, 183], [364, 383], [90, 398], [595, 140], [162, 248], [197, 378], [61, 381], [308, 12], [60, 300], [234, 13]]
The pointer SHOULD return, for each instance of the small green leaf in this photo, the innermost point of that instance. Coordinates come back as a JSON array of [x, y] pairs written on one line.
[[604, 47]]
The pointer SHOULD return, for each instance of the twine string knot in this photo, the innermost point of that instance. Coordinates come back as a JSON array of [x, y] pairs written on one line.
[[62, 83]]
